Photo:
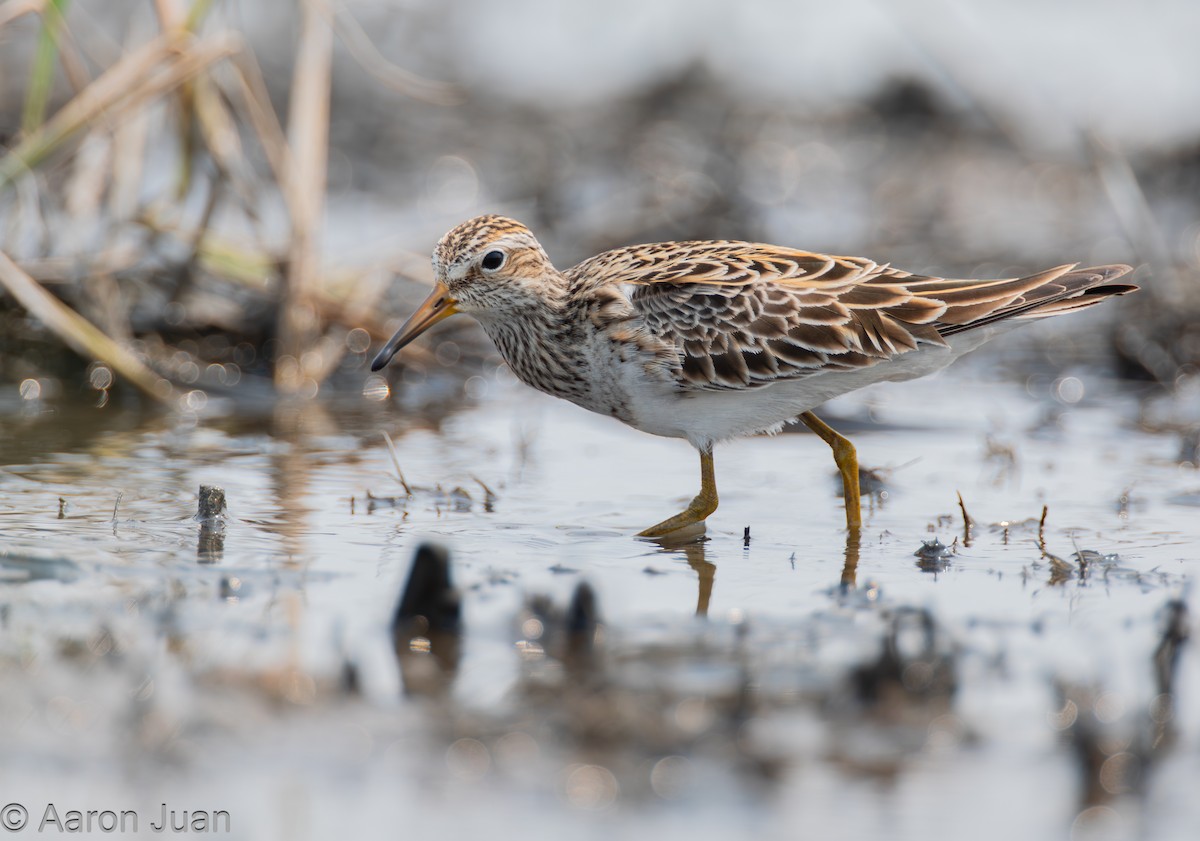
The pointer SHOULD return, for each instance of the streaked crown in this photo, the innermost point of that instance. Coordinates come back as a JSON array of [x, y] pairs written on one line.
[[491, 263]]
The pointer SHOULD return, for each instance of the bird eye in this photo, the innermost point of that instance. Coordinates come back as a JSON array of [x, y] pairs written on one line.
[[492, 260]]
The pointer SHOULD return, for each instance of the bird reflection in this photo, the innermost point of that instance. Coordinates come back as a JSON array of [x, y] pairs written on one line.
[[850, 566], [695, 552], [694, 547], [705, 569]]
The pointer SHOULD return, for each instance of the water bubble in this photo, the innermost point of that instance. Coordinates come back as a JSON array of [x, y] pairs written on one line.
[[475, 388], [358, 340], [245, 354], [100, 377], [1069, 389], [30, 390], [516, 749], [1118, 772], [532, 628], [590, 787], [468, 759], [1065, 717], [447, 353], [215, 373], [669, 776], [1097, 823], [376, 388], [195, 400], [1109, 707]]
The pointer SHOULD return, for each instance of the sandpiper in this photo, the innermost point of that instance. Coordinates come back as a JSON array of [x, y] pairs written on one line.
[[711, 340]]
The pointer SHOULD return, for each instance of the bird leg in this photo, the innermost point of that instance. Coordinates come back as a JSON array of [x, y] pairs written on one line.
[[698, 510], [847, 462]]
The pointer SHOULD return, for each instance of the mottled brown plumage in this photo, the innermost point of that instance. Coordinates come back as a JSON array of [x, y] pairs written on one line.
[[709, 340]]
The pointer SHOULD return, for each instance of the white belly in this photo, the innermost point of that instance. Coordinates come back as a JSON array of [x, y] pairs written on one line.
[[706, 417]]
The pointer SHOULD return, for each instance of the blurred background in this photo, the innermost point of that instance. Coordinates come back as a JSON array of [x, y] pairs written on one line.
[[241, 197]]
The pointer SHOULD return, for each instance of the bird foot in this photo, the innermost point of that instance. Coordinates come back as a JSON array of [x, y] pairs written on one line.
[[695, 514]]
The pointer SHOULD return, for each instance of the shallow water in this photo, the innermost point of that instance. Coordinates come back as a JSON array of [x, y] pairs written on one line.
[[145, 663]]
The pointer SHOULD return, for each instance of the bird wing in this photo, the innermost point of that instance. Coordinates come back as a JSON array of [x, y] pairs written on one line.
[[731, 315]]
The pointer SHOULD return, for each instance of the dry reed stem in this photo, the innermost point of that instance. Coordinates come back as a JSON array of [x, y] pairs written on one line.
[[308, 137], [129, 148], [14, 9], [55, 270], [156, 68], [84, 190], [364, 51], [198, 103], [41, 74], [72, 62], [256, 101], [253, 268], [79, 333], [396, 462]]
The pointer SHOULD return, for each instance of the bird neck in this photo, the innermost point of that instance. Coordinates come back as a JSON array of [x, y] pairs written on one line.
[[542, 345]]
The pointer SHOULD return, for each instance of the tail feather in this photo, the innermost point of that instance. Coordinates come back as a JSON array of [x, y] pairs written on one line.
[[1060, 291]]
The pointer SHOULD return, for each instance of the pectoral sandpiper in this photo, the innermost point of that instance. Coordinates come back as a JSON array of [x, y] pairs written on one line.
[[713, 340]]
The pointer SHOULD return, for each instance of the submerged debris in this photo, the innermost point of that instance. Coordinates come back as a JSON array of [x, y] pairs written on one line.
[[680, 700], [1117, 749], [212, 504], [934, 556], [916, 663], [1175, 634], [427, 627], [211, 514]]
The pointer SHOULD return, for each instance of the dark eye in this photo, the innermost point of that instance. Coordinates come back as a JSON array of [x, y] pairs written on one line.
[[493, 260]]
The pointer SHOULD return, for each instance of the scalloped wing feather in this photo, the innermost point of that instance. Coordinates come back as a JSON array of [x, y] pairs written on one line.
[[732, 315]]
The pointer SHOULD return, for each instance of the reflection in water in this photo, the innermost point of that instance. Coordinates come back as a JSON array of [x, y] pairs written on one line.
[[850, 567], [706, 570], [427, 626], [582, 626], [695, 552], [295, 422], [694, 545]]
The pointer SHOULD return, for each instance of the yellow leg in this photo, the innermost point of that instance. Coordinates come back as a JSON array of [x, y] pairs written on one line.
[[847, 462], [704, 504]]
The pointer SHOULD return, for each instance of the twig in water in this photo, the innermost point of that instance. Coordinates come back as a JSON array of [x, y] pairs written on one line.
[[117, 505], [488, 494], [746, 538], [396, 463], [1042, 530], [967, 521]]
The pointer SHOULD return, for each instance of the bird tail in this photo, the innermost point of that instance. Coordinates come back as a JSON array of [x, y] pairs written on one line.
[[1053, 292]]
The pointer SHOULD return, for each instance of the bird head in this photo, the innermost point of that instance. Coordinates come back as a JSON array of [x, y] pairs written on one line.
[[489, 267]]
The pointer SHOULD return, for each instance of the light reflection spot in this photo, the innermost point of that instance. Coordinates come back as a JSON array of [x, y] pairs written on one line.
[[31, 390], [100, 377], [358, 340], [468, 759], [590, 787], [669, 776]]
